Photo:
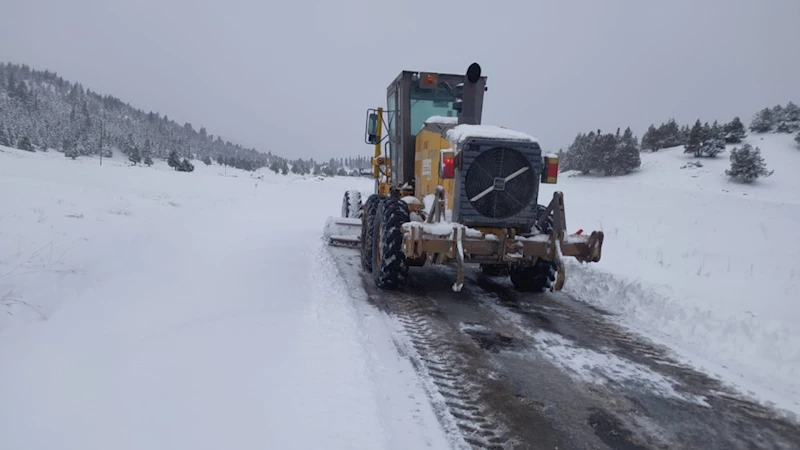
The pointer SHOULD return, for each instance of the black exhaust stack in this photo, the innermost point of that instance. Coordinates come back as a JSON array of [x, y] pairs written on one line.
[[468, 113]]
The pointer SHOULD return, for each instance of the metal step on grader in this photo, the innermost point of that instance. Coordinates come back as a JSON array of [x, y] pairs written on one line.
[[449, 190]]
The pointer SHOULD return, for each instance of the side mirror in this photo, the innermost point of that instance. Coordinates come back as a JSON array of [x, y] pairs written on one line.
[[372, 129]]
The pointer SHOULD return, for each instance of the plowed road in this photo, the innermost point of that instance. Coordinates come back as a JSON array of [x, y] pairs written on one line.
[[530, 371]]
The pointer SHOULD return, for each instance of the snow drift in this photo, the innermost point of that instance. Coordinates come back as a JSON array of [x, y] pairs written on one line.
[[148, 308], [701, 263]]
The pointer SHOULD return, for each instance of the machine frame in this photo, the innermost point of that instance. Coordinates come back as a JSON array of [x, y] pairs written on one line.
[[406, 223]]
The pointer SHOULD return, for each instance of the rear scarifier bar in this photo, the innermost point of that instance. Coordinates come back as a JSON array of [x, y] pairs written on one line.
[[460, 244]]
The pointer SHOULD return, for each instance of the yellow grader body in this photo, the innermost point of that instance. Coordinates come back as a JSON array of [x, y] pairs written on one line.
[[449, 190]]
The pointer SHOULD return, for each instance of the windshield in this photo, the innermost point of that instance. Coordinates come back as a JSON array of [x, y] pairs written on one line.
[[425, 104]]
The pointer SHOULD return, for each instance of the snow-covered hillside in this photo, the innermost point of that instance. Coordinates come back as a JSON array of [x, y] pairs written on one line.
[[698, 262], [148, 308]]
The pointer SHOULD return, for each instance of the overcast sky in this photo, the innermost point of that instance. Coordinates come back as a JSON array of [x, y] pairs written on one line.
[[296, 77]]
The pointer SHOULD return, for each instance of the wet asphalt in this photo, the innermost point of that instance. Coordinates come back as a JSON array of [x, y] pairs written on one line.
[[545, 371]]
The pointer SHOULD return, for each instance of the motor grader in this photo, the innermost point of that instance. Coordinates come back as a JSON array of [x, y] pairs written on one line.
[[449, 190]]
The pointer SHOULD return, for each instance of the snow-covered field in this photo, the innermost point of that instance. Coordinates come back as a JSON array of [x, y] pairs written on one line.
[[708, 266], [147, 308]]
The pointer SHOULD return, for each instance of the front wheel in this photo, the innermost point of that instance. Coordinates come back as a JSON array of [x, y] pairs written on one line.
[[368, 230], [390, 268], [351, 204]]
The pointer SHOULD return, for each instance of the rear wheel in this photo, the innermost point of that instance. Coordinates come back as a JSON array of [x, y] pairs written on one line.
[[368, 230], [537, 277], [541, 275], [390, 268], [351, 204], [495, 270]]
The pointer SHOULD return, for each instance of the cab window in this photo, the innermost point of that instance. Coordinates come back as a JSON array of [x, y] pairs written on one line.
[[427, 103]]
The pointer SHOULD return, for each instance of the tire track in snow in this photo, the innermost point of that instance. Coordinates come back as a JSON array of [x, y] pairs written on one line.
[[456, 395], [409, 335], [448, 380], [510, 370]]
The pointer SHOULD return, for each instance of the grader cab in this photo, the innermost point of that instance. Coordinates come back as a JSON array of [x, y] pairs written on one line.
[[449, 190]]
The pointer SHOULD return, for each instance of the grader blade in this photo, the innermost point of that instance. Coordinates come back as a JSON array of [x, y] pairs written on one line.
[[343, 232]]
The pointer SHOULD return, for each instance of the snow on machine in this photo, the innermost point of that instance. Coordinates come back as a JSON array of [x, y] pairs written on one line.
[[449, 190]]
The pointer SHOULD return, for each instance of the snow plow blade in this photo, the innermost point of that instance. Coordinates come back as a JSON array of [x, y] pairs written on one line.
[[342, 231]]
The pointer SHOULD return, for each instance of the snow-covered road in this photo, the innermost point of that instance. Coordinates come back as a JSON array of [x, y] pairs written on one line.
[[146, 308], [217, 323]]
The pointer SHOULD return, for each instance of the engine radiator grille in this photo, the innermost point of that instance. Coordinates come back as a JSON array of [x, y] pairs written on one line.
[[498, 184]]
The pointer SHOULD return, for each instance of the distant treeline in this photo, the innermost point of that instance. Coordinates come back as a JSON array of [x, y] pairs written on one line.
[[614, 153], [41, 111]]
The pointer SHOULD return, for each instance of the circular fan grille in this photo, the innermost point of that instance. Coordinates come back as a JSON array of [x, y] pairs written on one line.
[[500, 183]]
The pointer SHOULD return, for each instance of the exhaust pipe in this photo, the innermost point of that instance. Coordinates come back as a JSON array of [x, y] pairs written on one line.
[[469, 94]]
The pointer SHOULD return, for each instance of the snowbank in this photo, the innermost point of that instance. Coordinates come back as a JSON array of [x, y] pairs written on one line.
[[700, 263], [148, 308]]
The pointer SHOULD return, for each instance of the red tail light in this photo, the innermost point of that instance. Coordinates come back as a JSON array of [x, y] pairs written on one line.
[[550, 172], [447, 166]]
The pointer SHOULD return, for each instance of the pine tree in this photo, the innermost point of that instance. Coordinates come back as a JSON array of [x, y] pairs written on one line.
[[174, 160], [25, 144], [713, 145], [128, 145], [695, 139], [650, 139], [605, 153], [185, 166], [705, 140], [783, 127], [777, 114], [134, 155], [579, 153], [147, 152], [791, 116], [763, 121], [747, 164], [734, 131], [684, 134], [787, 119], [670, 134], [70, 151], [564, 161], [275, 166], [628, 157], [797, 139]]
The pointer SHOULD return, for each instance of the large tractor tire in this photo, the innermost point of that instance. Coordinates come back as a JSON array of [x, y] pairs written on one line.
[[541, 275], [351, 204], [495, 270], [538, 277], [368, 230], [389, 267]]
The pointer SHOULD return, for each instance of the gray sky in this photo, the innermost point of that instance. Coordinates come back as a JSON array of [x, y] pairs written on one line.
[[296, 77]]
